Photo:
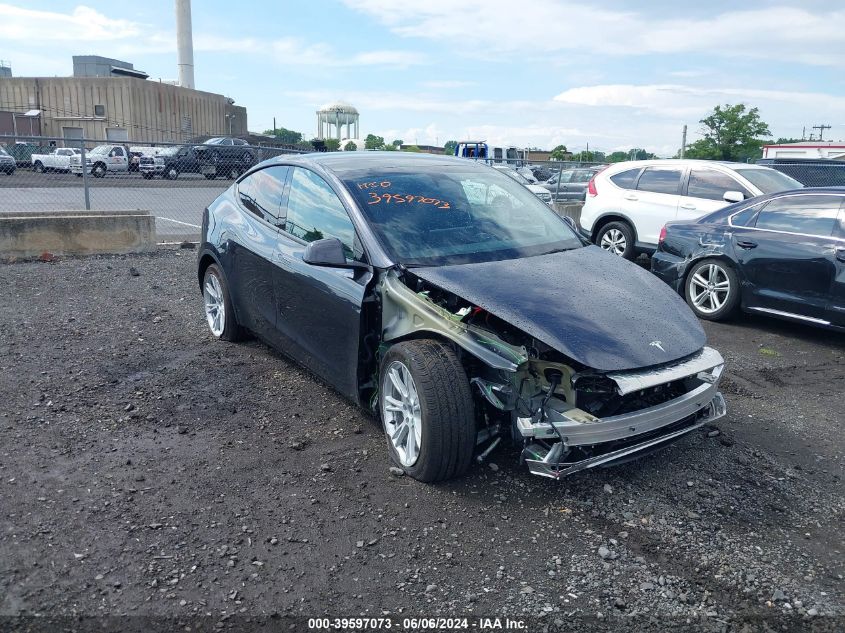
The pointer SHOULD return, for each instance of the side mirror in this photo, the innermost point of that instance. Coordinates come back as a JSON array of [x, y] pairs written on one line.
[[733, 196], [328, 252]]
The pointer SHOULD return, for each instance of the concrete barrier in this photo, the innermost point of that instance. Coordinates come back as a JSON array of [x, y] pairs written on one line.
[[569, 209], [31, 233]]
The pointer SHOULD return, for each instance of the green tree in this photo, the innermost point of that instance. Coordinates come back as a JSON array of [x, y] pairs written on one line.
[[560, 153], [397, 143], [373, 142], [332, 144], [412, 148], [617, 157], [350, 146], [283, 135], [732, 132], [449, 147]]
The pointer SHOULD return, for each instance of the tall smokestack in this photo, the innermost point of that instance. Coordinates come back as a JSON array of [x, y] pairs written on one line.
[[185, 43]]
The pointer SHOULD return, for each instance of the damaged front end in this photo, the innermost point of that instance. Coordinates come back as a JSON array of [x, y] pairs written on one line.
[[567, 416]]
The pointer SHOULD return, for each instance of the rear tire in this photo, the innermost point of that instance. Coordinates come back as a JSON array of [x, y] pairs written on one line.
[[617, 238], [712, 290], [435, 417], [219, 313]]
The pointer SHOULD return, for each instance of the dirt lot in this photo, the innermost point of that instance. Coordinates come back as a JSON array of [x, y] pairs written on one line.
[[148, 471]]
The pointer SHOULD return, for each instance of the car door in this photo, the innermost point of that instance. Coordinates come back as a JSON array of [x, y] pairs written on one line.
[[788, 258], [704, 191], [836, 306], [259, 198], [117, 159], [319, 308], [653, 201]]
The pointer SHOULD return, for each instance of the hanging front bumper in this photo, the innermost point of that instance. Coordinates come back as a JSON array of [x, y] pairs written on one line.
[[566, 441]]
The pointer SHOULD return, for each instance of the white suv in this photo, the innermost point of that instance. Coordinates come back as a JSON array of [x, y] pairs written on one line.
[[628, 203]]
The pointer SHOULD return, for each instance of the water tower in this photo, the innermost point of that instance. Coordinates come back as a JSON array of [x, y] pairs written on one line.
[[336, 115]]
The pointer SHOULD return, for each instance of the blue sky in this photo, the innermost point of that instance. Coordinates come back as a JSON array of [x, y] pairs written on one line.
[[536, 72]]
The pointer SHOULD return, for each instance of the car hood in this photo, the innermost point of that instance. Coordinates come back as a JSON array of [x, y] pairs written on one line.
[[594, 307]]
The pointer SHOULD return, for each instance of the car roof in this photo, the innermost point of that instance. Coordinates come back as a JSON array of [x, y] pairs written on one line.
[[632, 164], [341, 162]]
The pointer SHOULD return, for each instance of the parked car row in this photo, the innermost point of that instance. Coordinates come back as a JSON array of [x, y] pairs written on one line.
[[218, 157]]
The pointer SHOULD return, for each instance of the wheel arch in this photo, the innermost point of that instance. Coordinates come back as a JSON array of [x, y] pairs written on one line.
[[607, 218]]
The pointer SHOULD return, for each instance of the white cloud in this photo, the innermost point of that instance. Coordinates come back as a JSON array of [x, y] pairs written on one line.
[[67, 32], [81, 24], [785, 33]]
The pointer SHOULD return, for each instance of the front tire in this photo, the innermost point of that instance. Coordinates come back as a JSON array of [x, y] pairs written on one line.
[[617, 238], [39, 168], [712, 290], [99, 171], [219, 313], [172, 173], [427, 410]]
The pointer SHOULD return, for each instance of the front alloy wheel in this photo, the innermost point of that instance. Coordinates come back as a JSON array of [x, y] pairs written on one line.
[[402, 417], [427, 410], [712, 290]]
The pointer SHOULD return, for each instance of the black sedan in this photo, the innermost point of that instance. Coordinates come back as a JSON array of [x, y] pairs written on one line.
[[451, 302], [781, 254]]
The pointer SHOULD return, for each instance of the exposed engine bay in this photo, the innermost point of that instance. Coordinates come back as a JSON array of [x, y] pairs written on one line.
[[565, 415]]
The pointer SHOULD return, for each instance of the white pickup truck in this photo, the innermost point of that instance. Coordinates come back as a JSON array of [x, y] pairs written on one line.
[[57, 160], [102, 159]]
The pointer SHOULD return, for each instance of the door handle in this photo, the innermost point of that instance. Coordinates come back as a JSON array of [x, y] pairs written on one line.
[[631, 196], [840, 255], [688, 206], [746, 244]]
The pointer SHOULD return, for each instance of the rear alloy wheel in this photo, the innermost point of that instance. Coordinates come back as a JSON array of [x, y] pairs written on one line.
[[712, 290], [427, 410], [617, 238], [218, 306]]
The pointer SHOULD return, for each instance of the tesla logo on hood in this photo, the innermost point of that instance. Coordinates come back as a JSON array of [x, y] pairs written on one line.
[[658, 345]]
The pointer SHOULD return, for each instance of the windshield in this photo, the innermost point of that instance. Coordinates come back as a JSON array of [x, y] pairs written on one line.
[[101, 149], [214, 141], [169, 151], [432, 216], [769, 180]]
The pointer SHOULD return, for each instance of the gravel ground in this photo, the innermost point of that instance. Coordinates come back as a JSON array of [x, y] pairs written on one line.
[[149, 471]]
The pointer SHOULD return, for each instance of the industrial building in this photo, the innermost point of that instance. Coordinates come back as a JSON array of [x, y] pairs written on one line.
[[109, 99], [806, 149]]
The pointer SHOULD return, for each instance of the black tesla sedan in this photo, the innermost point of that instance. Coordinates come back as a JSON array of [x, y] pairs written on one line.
[[781, 254], [450, 301]]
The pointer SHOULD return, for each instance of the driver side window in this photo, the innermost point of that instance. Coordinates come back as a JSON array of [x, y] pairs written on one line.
[[315, 212]]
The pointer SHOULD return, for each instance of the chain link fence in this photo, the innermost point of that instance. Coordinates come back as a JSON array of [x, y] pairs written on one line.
[[810, 172], [175, 182]]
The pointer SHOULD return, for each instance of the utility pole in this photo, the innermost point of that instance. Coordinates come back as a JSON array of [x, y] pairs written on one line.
[[274, 126], [683, 142], [821, 128]]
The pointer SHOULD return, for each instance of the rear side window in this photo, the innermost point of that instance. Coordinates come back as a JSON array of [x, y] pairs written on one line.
[[744, 217], [261, 192], [315, 212], [712, 185], [660, 180], [625, 179], [811, 215]]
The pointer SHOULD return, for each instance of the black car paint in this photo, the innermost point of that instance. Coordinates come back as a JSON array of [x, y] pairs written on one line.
[[797, 274], [571, 301], [320, 316]]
